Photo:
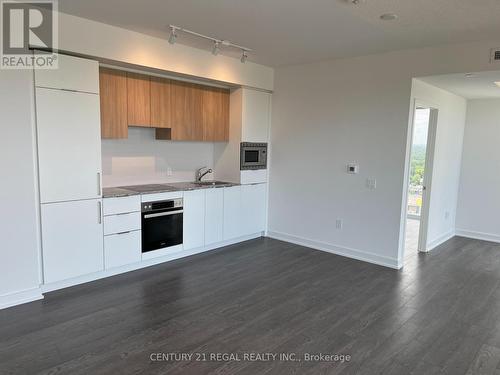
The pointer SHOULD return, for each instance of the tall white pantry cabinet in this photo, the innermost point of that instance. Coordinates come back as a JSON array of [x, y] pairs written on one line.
[[69, 160]]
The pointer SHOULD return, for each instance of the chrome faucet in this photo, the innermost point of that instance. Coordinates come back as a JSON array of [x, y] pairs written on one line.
[[200, 174]]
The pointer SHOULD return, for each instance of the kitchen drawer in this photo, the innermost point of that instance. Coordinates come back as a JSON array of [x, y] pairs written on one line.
[[121, 205], [122, 249], [122, 223], [161, 196]]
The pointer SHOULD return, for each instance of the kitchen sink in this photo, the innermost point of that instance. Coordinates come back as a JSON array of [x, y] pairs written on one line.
[[212, 183]]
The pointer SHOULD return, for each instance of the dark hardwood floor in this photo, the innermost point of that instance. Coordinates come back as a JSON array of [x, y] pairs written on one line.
[[439, 315]]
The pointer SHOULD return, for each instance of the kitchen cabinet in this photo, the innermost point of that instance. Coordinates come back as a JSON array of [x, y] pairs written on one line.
[[256, 114], [122, 223], [161, 113], [194, 219], [69, 145], [121, 249], [254, 208], [72, 239], [180, 111], [72, 73], [244, 210], [113, 95], [214, 216], [138, 100], [215, 114], [121, 205], [232, 213], [187, 122]]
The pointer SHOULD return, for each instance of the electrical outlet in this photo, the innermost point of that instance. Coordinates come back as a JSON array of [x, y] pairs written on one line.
[[371, 183], [447, 215], [339, 223], [169, 171]]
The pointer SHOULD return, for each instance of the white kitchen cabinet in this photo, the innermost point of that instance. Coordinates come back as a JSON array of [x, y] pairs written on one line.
[[254, 208], [122, 223], [72, 73], [256, 110], [214, 216], [122, 248], [194, 219], [72, 239], [69, 145], [121, 205], [232, 213]]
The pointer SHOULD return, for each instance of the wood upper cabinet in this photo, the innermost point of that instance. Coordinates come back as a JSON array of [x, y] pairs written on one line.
[[138, 100], [215, 114], [180, 111], [186, 102], [161, 114], [113, 96]]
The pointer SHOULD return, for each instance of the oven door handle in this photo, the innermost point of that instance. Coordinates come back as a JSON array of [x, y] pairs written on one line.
[[163, 214]]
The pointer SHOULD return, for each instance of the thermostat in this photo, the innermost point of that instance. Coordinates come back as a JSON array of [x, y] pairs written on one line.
[[352, 168]]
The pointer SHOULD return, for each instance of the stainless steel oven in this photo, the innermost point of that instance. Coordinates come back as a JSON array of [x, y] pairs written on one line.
[[161, 224], [253, 155]]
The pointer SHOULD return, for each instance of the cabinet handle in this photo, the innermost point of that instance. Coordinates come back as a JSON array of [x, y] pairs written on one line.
[[99, 183], [99, 212]]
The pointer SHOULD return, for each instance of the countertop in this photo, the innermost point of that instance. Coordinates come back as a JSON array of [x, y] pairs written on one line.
[[125, 191]]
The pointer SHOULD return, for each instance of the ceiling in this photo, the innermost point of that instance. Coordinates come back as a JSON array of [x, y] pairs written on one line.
[[476, 86], [283, 32]]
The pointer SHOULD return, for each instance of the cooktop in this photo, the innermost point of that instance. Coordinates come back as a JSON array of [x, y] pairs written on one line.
[[148, 188]]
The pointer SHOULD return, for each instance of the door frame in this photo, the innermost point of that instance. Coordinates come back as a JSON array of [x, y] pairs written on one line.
[[427, 183]]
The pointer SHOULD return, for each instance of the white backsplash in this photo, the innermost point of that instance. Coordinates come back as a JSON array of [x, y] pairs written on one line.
[[141, 159]]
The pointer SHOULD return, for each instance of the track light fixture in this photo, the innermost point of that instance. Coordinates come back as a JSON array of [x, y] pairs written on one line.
[[244, 56], [218, 43], [173, 35], [216, 49]]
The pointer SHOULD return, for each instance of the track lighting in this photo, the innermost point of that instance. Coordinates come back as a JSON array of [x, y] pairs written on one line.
[[217, 43], [244, 56], [173, 35], [216, 49]]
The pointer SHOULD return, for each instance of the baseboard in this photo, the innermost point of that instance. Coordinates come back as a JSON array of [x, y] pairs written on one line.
[[441, 239], [143, 264], [478, 235], [338, 250], [18, 298]]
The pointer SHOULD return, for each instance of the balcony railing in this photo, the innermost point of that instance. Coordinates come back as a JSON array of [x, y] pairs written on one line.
[[414, 201]]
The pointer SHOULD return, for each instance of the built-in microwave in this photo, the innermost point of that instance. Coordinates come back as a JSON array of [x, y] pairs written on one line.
[[253, 155]]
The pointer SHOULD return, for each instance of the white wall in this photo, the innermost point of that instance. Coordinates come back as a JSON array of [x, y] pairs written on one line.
[[330, 113], [141, 159], [447, 159], [479, 199], [19, 247]]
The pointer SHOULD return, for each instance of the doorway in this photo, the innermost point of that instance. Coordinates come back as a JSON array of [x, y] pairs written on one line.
[[420, 178]]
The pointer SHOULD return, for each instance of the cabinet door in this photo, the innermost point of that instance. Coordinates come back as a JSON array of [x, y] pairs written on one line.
[[160, 103], [256, 107], [215, 114], [72, 73], [214, 216], [232, 213], [138, 100], [187, 123], [194, 219], [72, 239], [253, 208], [69, 145], [121, 249], [113, 94]]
